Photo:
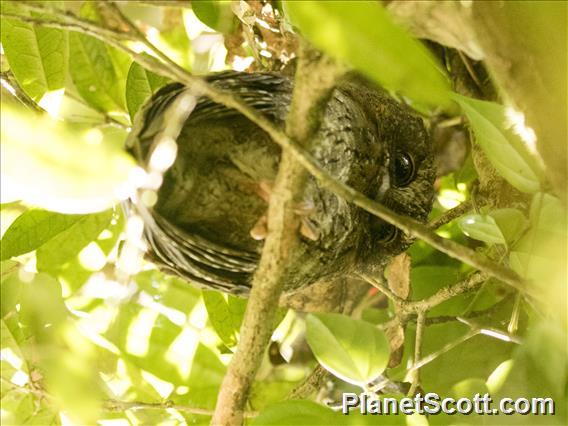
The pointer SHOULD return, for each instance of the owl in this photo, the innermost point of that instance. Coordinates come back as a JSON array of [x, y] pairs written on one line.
[[209, 220]]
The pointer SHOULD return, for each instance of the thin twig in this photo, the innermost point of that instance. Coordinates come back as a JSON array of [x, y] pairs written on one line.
[[299, 153], [312, 383], [447, 347], [420, 324], [121, 406], [8, 80], [450, 215], [379, 284], [446, 293]]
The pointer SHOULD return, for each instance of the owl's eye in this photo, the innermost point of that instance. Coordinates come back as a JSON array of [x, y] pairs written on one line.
[[404, 169], [387, 234]]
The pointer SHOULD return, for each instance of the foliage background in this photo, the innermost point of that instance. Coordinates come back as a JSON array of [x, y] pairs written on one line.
[[90, 333]]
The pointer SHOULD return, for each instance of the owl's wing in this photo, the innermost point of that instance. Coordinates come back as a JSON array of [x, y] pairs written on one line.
[[189, 255], [195, 258], [267, 93]]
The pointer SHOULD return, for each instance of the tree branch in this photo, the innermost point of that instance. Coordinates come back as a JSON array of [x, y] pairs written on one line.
[[408, 307], [164, 66], [450, 215], [311, 92]]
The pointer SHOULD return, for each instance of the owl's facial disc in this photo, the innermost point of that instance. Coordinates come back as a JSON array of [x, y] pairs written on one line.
[[385, 178]]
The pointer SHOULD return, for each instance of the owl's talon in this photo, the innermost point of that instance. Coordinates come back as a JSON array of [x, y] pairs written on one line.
[[260, 228], [309, 230], [305, 208], [264, 190]]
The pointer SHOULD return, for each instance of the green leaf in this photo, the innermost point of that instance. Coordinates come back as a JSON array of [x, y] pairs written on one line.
[[13, 360], [482, 228], [42, 307], [353, 350], [480, 354], [290, 413], [37, 55], [206, 376], [93, 73], [68, 243], [504, 149], [220, 316], [50, 165], [140, 85], [216, 14], [511, 222], [32, 229], [363, 35], [540, 253]]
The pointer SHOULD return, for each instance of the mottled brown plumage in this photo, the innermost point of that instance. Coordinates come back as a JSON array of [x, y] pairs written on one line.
[[212, 196]]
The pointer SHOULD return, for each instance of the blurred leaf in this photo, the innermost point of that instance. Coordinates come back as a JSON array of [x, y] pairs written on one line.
[[290, 413], [37, 55], [238, 306], [69, 242], [363, 34], [205, 378], [482, 228], [504, 149], [42, 308], [353, 350], [12, 360], [49, 165], [216, 14], [427, 280], [469, 387], [540, 253], [538, 370], [511, 222], [474, 359], [220, 317], [144, 337], [168, 290], [10, 293], [266, 392], [17, 406], [140, 85], [32, 229]]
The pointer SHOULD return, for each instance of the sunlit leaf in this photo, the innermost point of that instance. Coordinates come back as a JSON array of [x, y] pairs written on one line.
[[289, 413], [511, 222], [540, 253], [93, 73], [363, 34], [37, 55], [504, 149], [140, 85], [220, 316], [482, 228], [216, 14], [481, 355], [353, 350], [48, 165], [69, 242], [32, 229], [206, 376]]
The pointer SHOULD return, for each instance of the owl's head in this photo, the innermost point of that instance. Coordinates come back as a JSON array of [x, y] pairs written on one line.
[[406, 184]]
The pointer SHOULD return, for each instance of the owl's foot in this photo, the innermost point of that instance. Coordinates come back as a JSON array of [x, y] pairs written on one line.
[[304, 209], [260, 228]]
